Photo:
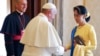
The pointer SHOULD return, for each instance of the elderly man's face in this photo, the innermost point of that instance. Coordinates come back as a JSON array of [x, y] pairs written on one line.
[[53, 13], [21, 5]]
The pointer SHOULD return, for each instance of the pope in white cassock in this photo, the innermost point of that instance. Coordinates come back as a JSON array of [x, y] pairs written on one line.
[[40, 37]]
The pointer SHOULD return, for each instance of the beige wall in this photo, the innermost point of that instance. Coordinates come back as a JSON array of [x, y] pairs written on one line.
[[4, 10], [94, 8], [68, 20]]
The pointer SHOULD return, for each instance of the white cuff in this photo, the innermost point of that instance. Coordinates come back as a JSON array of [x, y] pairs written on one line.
[[56, 50]]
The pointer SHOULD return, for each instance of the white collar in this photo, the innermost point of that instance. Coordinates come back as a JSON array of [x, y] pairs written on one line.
[[43, 15], [21, 13]]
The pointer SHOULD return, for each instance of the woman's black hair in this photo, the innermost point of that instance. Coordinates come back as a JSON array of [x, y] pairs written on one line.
[[82, 11]]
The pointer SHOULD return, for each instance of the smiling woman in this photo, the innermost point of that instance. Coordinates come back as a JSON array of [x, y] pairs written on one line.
[[4, 10]]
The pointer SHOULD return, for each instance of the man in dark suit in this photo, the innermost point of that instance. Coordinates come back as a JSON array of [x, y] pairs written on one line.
[[13, 28]]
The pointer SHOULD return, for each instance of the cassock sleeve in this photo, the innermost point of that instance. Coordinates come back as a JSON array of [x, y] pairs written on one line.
[[11, 25]]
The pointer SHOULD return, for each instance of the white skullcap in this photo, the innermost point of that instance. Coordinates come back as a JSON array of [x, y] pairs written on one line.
[[49, 6]]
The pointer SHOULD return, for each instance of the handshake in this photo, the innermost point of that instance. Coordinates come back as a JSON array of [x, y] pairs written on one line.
[[61, 49], [57, 50], [77, 40]]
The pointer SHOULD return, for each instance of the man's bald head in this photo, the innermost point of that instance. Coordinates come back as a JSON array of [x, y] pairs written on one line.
[[21, 5]]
